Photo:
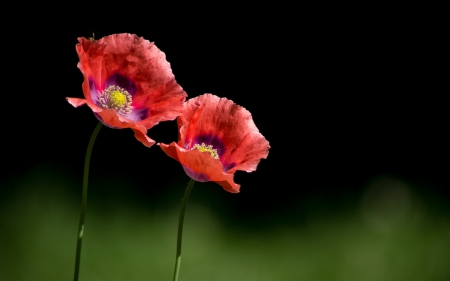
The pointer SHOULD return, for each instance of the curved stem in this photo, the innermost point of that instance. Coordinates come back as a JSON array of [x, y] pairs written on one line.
[[84, 199], [180, 228]]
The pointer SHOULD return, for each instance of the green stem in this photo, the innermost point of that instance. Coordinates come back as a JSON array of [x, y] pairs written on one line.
[[84, 199], [180, 228]]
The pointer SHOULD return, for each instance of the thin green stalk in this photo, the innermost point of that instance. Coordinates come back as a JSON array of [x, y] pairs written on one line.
[[84, 199], [180, 228]]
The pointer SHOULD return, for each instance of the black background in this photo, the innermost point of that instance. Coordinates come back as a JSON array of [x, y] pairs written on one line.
[[342, 97]]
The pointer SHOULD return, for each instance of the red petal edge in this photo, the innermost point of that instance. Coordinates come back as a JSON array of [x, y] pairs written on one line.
[[203, 163]]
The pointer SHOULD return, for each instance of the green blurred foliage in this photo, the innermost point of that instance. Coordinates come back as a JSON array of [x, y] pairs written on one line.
[[390, 232]]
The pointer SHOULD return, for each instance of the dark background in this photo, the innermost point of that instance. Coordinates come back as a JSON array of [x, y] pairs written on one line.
[[343, 99], [340, 97]]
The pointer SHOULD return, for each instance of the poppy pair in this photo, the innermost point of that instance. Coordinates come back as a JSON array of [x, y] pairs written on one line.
[[129, 84]]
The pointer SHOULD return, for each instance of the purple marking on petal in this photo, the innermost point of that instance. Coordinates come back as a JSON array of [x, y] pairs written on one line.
[[93, 90], [226, 167], [139, 114], [121, 81], [200, 177], [216, 142]]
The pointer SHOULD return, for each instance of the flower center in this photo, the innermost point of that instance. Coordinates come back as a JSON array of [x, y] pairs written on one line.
[[116, 98], [207, 148]]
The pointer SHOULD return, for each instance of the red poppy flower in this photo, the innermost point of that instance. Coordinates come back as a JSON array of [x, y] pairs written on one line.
[[128, 83], [216, 138]]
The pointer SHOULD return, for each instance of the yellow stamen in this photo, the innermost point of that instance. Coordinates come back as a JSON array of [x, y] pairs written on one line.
[[207, 148], [117, 98]]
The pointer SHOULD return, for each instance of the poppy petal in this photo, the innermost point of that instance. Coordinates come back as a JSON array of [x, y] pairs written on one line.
[[225, 131], [76, 102], [201, 166], [128, 83]]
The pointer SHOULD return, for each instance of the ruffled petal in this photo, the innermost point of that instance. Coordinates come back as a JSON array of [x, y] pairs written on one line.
[[228, 127], [130, 56], [140, 134], [165, 103], [75, 102], [136, 66], [201, 166], [110, 119], [246, 157]]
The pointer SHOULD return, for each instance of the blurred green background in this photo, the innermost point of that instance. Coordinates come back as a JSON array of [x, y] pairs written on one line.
[[390, 232]]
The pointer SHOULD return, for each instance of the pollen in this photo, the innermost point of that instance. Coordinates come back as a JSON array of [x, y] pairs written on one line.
[[116, 98], [207, 148]]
